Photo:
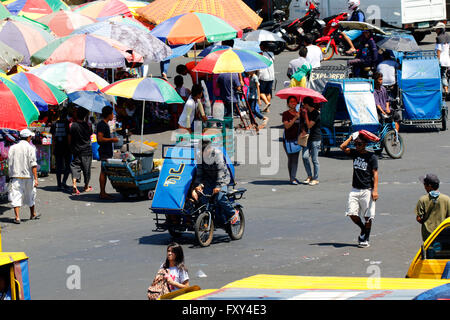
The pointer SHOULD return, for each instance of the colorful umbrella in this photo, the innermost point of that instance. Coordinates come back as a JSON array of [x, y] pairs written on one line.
[[41, 92], [35, 9], [69, 77], [151, 48], [90, 100], [231, 10], [212, 48], [145, 89], [62, 23], [8, 57], [23, 37], [4, 13], [17, 111], [103, 9], [121, 19], [87, 50], [232, 61], [301, 93], [194, 28]]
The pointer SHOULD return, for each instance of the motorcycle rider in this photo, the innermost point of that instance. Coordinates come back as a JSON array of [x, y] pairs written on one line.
[[357, 15]]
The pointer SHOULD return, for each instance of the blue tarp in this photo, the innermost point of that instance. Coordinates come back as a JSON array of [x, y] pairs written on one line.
[[25, 279]]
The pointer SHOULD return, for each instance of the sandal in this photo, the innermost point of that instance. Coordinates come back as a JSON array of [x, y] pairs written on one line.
[[17, 221], [88, 189], [75, 192], [35, 217]]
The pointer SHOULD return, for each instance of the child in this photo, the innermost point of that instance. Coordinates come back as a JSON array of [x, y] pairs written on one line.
[[177, 108], [254, 96]]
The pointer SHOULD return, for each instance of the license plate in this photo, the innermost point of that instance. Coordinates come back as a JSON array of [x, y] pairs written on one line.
[[423, 25]]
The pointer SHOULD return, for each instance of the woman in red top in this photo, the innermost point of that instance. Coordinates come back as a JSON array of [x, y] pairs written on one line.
[[291, 122]]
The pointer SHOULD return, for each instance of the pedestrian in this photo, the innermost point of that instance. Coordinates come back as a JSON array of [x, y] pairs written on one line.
[[291, 122], [80, 144], [315, 55], [177, 108], [364, 193], [267, 78], [311, 115], [192, 108], [433, 207], [174, 269], [382, 101], [230, 85], [22, 166], [63, 157], [299, 69], [442, 51], [367, 55], [106, 146], [254, 97]]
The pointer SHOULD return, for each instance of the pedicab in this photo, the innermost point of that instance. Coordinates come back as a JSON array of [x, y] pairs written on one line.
[[420, 90], [14, 278], [350, 108], [176, 212]]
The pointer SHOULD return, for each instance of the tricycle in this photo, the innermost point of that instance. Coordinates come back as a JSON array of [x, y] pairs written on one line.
[[351, 107], [176, 212]]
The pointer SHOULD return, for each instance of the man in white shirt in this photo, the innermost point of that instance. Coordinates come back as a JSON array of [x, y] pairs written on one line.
[[22, 166], [442, 50], [296, 64], [266, 78], [314, 56], [388, 69]]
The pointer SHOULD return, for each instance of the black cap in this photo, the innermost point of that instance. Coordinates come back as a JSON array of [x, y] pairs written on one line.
[[430, 179]]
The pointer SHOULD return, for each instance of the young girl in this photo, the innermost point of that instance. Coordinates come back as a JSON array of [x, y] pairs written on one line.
[[291, 122], [254, 96], [176, 272]]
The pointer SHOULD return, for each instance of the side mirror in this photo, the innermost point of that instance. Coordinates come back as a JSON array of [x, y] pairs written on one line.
[[423, 252]]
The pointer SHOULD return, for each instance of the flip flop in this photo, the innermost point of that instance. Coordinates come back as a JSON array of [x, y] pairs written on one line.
[[36, 217], [76, 193], [89, 189], [17, 221]]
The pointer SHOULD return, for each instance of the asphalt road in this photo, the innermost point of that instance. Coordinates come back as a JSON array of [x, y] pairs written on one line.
[[295, 230]]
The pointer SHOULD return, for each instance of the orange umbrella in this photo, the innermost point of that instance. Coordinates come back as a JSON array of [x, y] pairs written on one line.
[[231, 10]]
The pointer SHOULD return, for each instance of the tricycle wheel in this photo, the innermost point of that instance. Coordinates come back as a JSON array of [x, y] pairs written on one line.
[[327, 54], [444, 120], [204, 229], [394, 145], [236, 231]]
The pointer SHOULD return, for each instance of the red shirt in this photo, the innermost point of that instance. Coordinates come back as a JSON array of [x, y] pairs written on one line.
[[293, 132]]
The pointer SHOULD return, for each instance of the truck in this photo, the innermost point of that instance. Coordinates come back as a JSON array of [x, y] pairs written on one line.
[[417, 16]]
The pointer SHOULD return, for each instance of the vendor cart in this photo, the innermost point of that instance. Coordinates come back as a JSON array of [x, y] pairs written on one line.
[[137, 177]]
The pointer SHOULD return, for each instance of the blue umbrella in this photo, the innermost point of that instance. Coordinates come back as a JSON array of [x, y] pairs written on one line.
[[212, 48], [90, 100]]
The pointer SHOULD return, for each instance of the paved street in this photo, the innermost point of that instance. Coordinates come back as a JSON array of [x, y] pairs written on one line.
[[296, 230]]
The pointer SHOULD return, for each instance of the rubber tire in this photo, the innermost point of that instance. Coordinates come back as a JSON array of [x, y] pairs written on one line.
[[444, 120], [198, 233], [322, 45], [229, 229], [387, 147]]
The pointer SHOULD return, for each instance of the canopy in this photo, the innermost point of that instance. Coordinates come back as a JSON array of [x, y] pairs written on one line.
[[232, 10], [103, 9], [35, 9], [62, 23]]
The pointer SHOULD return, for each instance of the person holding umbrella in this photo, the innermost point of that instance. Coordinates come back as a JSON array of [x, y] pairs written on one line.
[[291, 122]]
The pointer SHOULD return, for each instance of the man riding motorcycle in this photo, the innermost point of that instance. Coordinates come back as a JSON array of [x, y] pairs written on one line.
[[357, 15]]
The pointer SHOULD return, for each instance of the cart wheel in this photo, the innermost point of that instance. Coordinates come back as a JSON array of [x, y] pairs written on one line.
[[394, 147], [203, 229], [236, 231]]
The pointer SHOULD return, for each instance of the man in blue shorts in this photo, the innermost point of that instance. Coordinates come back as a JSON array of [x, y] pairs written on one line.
[[357, 15]]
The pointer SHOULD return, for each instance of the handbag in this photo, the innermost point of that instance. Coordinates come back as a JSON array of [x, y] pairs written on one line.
[[292, 146], [303, 140], [159, 286]]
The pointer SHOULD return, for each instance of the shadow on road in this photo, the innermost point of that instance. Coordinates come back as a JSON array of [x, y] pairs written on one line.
[[185, 239], [334, 244], [270, 182]]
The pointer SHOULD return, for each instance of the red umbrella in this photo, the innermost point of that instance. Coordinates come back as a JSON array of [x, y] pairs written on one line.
[[301, 93]]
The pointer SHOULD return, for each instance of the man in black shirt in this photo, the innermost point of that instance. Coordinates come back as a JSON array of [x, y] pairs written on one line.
[[106, 148], [63, 157], [311, 117], [80, 143], [361, 200]]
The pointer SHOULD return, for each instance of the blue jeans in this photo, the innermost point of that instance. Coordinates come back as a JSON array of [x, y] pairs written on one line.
[[253, 103], [312, 149], [225, 208], [164, 66]]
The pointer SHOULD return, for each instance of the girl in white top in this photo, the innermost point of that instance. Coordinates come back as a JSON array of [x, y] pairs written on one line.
[[176, 272], [190, 108]]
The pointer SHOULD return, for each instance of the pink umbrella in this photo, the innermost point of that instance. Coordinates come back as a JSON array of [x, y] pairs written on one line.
[[300, 92]]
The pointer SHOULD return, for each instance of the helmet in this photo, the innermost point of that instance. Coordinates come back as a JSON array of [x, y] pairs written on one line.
[[353, 4]]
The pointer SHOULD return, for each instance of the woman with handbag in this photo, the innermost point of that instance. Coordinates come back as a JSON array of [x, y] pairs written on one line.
[[291, 122], [172, 274], [311, 143]]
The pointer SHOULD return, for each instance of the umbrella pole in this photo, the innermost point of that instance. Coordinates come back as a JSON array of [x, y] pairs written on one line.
[[232, 97], [142, 124]]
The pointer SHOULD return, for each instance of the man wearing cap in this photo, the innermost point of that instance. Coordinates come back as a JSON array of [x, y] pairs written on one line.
[[364, 193], [22, 166], [432, 208], [442, 51]]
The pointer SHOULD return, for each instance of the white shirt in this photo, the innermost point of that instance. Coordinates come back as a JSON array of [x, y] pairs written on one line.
[[188, 114], [268, 74], [314, 56], [387, 69], [21, 160], [295, 64], [177, 275], [444, 57]]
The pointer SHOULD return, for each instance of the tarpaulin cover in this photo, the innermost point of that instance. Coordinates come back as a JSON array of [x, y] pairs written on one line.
[[25, 279]]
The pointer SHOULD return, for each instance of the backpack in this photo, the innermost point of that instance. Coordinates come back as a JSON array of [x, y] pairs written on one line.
[[159, 286]]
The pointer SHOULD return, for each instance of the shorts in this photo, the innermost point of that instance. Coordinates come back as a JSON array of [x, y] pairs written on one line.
[[22, 192], [265, 86], [360, 203], [353, 34]]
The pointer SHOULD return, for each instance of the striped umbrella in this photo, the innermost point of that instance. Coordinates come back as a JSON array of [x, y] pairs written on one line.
[[145, 89], [23, 37], [103, 9], [69, 77], [62, 23], [17, 111], [87, 50], [41, 92], [151, 48], [4, 13], [195, 27], [35, 9]]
